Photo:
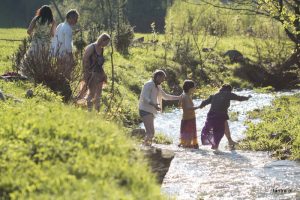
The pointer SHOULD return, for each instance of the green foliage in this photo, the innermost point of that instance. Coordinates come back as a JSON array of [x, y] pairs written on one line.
[[233, 116], [216, 21], [52, 150], [278, 130], [48, 150], [267, 89], [161, 138], [7, 48], [123, 38]]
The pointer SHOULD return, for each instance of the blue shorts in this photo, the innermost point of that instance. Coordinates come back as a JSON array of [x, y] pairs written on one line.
[[144, 113]]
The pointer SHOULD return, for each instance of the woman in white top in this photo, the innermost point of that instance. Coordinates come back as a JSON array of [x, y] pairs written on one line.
[[151, 101], [41, 29]]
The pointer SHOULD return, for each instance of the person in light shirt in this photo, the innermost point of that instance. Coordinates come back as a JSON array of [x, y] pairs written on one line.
[[62, 43], [151, 101]]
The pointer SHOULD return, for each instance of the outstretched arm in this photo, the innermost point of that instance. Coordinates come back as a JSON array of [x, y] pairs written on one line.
[[166, 96], [239, 98], [206, 102]]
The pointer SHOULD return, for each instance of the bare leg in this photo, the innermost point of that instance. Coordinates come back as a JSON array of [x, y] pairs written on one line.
[[228, 134], [98, 93], [149, 125], [91, 95]]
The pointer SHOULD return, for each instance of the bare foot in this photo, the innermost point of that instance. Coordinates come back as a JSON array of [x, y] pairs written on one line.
[[232, 143]]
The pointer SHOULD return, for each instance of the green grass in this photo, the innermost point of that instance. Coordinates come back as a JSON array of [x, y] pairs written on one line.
[[7, 47], [279, 129], [48, 149], [51, 150]]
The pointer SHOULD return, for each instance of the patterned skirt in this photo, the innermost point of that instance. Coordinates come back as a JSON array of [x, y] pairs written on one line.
[[188, 134], [214, 129]]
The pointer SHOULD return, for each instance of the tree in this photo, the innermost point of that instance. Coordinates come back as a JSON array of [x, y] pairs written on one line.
[[287, 12]]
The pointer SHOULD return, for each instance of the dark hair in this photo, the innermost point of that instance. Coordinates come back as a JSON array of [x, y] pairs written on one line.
[[187, 85], [72, 14], [158, 73], [226, 87], [45, 14]]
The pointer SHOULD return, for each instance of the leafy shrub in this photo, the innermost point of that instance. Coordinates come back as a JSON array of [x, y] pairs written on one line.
[[123, 38], [278, 131], [160, 138], [49, 150]]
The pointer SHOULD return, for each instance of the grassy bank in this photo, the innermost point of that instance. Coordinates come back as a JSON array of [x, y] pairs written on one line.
[[50, 150], [279, 129]]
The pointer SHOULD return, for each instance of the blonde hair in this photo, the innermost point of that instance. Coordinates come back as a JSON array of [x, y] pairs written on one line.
[[103, 37]]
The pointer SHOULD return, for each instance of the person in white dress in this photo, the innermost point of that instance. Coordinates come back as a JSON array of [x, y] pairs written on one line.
[[41, 29]]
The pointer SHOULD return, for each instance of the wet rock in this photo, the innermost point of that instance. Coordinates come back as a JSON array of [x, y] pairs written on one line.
[[234, 56], [207, 49], [2, 97], [159, 160], [273, 135], [29, 93], [139, 132]]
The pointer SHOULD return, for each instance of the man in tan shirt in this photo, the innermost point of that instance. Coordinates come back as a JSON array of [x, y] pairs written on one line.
[[151, 101]]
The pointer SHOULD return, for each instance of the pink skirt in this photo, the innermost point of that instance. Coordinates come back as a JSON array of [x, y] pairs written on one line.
[[188, 133]]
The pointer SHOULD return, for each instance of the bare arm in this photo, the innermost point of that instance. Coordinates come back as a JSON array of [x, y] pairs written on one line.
[[166, 96], [53, 28], [86, 57], [31, 25]]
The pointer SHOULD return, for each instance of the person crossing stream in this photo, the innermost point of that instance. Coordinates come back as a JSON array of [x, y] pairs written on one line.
[[229, 174]]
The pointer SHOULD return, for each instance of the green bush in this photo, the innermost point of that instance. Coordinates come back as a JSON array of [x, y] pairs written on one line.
[[279, 129], [52, 151]]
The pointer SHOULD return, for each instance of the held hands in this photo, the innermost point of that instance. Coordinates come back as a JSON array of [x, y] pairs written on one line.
[[156, 106]]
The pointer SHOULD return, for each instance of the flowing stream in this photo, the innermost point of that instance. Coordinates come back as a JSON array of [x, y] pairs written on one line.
[[229, 174]]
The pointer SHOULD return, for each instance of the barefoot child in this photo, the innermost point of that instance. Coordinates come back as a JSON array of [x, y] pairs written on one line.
[[216, 122], [188, 131]]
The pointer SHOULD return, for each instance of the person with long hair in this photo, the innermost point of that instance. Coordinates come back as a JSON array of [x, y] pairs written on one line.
[[93, 72], [41, 29]]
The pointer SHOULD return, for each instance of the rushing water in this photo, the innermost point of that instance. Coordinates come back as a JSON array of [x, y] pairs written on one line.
[[203, 174]]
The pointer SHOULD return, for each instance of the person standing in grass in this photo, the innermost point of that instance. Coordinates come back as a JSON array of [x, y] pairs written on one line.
[[62, 46], [41, 29], [216, 124], [150, 103], [94, 75], [62, 43], [188, 130]]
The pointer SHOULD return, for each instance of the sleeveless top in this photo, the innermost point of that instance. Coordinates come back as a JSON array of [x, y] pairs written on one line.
[[96, 61]]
